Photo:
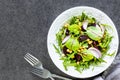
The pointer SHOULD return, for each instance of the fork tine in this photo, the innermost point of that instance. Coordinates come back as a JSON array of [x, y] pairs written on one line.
[[31, 59], [34, 58], [28, 58]]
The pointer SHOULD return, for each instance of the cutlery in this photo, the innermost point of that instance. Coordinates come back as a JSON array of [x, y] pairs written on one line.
[[38, 68], [33, 61], [44, 73]]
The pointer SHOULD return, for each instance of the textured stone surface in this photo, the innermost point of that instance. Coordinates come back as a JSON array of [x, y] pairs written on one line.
[[24, 25]]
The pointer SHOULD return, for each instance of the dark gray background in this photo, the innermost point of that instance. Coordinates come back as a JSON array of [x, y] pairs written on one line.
[[24, 25]]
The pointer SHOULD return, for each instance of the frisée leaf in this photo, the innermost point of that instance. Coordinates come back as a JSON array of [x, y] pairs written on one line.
[[74, 29]]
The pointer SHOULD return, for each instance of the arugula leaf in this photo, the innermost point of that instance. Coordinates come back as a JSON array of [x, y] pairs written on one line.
[[73, 20], [59, 37], [108, 27], [83, 17], [106, 40], [111, 54], [79, 68], [71, 55], [57, 49], [101, 60], [67, 63], [85, 45], [91, 20], [82, 66]]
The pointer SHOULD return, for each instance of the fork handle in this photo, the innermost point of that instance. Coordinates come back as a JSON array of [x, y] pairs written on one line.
[[54, 75], [52, 78], [39, 67]]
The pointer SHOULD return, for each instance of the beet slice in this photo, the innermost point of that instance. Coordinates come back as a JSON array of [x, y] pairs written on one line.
[[83, 38], [67, 32], [92, 24], [65, 50], [78, 57], [95, 44], [82, 28]]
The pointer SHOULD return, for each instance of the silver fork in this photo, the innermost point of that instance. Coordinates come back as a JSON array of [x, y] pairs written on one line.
[[33, 61], [38, 68], [44, 73]]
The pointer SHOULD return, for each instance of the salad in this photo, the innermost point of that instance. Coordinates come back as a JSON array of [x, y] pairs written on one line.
[[83, 42]]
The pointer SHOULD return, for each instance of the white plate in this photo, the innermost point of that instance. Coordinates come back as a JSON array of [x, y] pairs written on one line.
[[60, 21]]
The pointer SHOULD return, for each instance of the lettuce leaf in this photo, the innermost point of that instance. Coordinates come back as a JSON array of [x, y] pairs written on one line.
[[94, 33], [72, 44], [75, 45], [87, 56], [69, 43]]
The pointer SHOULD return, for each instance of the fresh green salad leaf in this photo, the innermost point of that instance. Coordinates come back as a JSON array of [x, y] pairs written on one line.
[[83, 17], [85, 45], [94, 33], [75, 45], [111, 54], [74, 29], [87, 55], [72, 44], [73, 20], [108, 27], [67, 62], [57, 49], [69, 43], [91, 20], [59, 38], [106, 40]]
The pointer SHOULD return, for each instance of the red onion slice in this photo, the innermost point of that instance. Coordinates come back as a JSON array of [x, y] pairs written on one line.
[[65, 39], [97, 26], [95, 52], [85, 24]]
